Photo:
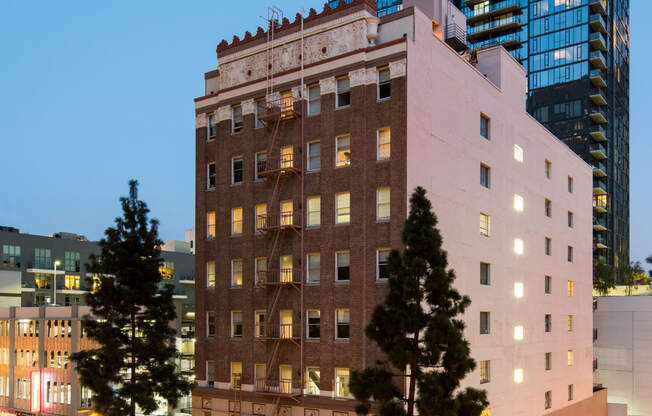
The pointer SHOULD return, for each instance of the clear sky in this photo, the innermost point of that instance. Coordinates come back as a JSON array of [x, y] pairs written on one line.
[[93, 94]]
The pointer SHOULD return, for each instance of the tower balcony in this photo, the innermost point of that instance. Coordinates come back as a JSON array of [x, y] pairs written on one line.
[[598, 151], [278, 221], [597, 77], [600, 204], [597, 23], [596, 58], [495, 26], [598, 114], [599, 133], [597, 96], [597, 41], [599, 223], [599, 169], [490, 10], [598, 6], [599, 187], [600, 240]]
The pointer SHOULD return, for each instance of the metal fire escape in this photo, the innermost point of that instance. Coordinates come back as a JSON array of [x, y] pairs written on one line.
[[283, 225]]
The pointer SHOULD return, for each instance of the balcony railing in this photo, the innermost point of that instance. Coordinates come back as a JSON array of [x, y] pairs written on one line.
[[288, 219], [291, 331], [600, 204], [507, 40], [596, 58], [599, 223], [599, 187], [599, 133], [473, 14], [597, 96], [279, 277], [599, 168], [44, 264], [278, 387], [597, 41], [284, 163], [600, 240], [598, 114], [512, 21], [597, 23], [597, 77], [456, 36], [598, 6], [285, 107], [598, 151]]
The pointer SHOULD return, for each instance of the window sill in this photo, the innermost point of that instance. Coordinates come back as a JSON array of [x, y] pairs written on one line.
[[211, 139], [342, 107], [342, 282], [383, 219], [313, 170], [236, 287], [342, 340], [236, 338], [383, 160], [235, 133], [236, 235], [313, 339], [312, 227], [378, 280], [380, 100], [312, 283], [237, 183], [313, 115], [210, 189], [347, 165], [342, 224]]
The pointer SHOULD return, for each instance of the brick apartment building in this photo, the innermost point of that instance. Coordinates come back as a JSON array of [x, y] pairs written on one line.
[[310, 137]]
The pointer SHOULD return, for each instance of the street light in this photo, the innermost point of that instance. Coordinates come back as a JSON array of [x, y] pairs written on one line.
[[56, 263]]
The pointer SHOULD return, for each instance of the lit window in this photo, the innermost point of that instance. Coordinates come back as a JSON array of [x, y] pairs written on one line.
[[210, 224], [383, 264], [260, 323], [484, 126], [287, 157], [236, 170], [212, 126], [236, 375], [287, 268], [548, 208], [343, 93], [548, 399], [314, 100], [518, 375], [313, 380], [210, 274], [342, 265], [210, 172], [485, 323], [485, 176], [287, 324], [342, 319], [314, 211], [383, 203], [485, 273], [548, 169], [236, 121], [210, 324], [518, 153], [287, 213], [571, 357], [384, 144], [343, 154], [72, 282], [484, 224], [314, 322], [342, 208], [314, 267], [285, 379], [384, 84], [261, 217], [341, 382], [485, 371], [570, 323], [261, 164], [236, 324], [518, 332], [486, 412], [236, 273], [571, 289], [314, 156], [518, 203], [518, 289], [236, 221]]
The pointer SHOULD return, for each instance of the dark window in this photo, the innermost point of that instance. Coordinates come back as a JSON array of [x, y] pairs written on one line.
[[383, 264], [10, 256], [211, 175], [570, 184], [548, 285], [485, 323], [342, 316], [210, 318], [484, 126], [548, 399], [314, 100], [384, 84], [570, 254], [343, 92], [237, 122], [548, 361], [570, 392], [212, 126], [237, 170], [548, 246], [485, 176], [548, 208], [548, 323], [485, 273], [342, 260], [570, 219], [314, 319]]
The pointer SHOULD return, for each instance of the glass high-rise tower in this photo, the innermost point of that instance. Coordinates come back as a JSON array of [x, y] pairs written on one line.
[[576, 54]]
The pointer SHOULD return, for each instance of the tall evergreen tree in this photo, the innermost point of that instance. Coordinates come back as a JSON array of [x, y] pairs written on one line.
[[134, 358], [417, 329]]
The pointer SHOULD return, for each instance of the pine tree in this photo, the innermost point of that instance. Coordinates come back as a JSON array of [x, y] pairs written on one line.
[[131, 316], [417, 330]]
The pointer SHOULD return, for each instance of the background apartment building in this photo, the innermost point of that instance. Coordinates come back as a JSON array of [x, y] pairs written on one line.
[[303, 175], [576, 55], [50, 272]]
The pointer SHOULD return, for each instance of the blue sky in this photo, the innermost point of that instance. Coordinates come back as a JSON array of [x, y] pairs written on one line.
[[95, 93]]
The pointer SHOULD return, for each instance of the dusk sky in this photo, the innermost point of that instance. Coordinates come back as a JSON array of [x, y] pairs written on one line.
[[93, 94]]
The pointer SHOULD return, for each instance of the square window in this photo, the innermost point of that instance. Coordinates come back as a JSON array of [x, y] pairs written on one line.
[[212, 126], [314, 100], [548, 323], [485, 273], [210, 172], [261, 165], [342, 324], [548, 361], [484, 224], [210, 225], [314, 267], [210, 324], [570, 254], [485, 371], [571, 288], [485, 176], [547, 285], [570, 219], [384, 84], [548, 208], [384, 139], [343, 146], [210, 274], [236, 273], [236, 170], [237, 122], [236, 221], [342, 208], [314, 211], [314, 321], [548, 246], [236, 324], [518, 203], [314, 156], [484, 126], [342, 265], [343, 92], [485, 323], [518, 153], [383, 204], [382, 272], [548, 169]]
